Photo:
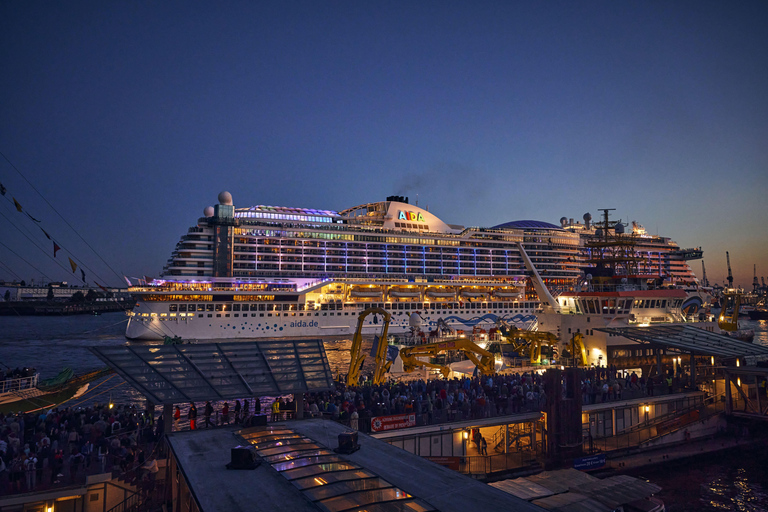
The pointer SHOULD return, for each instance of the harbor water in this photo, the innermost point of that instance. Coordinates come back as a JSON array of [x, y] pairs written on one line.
[[730, 481]]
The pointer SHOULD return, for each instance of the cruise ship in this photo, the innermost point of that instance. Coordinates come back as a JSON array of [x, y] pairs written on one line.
[[272, 272]]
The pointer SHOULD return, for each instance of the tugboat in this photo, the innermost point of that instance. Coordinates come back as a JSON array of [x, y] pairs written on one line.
[[760, 312]]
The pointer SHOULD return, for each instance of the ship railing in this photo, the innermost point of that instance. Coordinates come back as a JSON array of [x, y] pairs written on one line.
[[20, 384]]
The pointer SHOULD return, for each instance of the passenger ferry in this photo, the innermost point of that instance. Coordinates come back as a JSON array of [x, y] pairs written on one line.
[[271, 272]]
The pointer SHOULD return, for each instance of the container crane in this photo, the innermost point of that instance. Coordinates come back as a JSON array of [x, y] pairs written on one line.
[[730, 275]]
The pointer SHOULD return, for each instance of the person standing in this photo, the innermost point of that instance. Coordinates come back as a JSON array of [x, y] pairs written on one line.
[[192, 416], [176, 418], [483, 445], [225, 414], [208, 412]]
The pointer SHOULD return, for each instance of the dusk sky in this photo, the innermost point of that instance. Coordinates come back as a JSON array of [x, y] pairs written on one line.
[[124, 120]]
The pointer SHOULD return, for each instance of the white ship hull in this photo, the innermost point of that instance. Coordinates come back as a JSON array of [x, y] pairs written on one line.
[[309, 324]]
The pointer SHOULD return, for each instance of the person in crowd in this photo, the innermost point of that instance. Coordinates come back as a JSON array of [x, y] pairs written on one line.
[[192, 416], [207, 413]]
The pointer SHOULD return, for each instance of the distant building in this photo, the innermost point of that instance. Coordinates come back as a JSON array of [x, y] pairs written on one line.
[[16, 292]]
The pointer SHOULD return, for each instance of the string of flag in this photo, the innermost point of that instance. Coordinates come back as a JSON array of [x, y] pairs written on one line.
[[56, 247]]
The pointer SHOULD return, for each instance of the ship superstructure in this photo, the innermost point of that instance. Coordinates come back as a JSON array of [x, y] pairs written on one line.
[[648, 257], [613, 293], [271, 271]]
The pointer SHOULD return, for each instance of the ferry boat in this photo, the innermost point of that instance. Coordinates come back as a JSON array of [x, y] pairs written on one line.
[[271, 272]]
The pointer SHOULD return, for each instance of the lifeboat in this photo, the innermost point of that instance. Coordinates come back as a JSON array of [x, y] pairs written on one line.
[[405, 293], [441, 293], [474, 294], [508, 293], [366, 293]]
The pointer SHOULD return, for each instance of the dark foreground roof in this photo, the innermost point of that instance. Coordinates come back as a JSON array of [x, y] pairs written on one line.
[[172, 374], [299, 471]]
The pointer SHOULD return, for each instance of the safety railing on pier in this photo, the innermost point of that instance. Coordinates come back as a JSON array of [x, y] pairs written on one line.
[[645, 432]]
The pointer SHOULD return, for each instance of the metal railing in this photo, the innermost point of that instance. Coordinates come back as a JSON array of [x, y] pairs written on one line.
[[19, 384]]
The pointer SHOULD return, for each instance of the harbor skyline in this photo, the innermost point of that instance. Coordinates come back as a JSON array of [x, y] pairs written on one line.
[[129, 119]]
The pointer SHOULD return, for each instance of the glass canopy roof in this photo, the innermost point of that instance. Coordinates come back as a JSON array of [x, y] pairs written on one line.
[[331, 482], [170, 374], [688, 338]]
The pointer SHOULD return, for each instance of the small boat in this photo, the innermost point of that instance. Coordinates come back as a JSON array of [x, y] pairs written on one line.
[[759, 314]]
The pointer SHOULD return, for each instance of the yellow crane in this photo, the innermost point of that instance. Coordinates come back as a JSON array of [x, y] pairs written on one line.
[[483, 359], [357, 357], [529, 341], [576, 346], [729, 313]]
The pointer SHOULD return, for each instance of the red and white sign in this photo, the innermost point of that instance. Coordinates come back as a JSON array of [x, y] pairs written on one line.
[[382, 423]]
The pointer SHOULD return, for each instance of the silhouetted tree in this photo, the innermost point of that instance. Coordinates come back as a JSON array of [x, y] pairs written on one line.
[[50, 293], [78, 296]]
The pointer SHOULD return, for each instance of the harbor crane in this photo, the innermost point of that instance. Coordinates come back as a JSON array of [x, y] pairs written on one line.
[[704, 280], [755, 282], [357, 357], [730, 275]]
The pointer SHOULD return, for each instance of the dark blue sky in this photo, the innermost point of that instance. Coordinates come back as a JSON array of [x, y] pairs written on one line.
[[130, 117]]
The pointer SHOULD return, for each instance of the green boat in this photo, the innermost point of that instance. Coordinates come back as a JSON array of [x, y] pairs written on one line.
[[29, 394]]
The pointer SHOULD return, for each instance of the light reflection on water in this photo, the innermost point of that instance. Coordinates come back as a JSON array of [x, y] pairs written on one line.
[[723, 482]]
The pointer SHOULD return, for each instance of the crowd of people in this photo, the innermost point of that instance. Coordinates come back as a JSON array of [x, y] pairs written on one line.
[[432, 401], [39, 450]]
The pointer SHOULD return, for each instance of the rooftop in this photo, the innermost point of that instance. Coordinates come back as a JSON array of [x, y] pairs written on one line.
[[290, 480]]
